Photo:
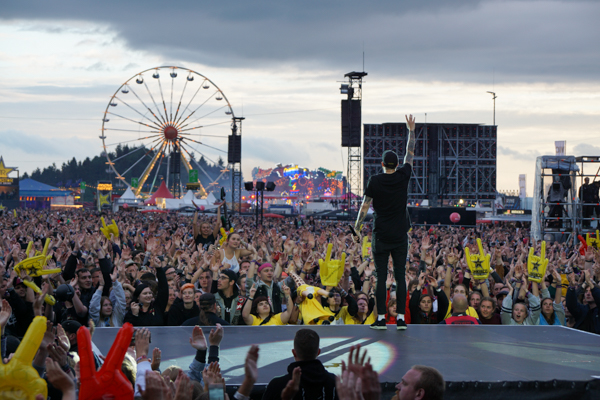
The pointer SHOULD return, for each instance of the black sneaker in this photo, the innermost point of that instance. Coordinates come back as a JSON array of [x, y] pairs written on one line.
[[379, 325], [401, 325]]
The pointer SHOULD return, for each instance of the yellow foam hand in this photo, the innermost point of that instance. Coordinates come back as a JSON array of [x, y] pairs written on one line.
[[331, 270], [479, 264], [593, 242], [366, 248], [108, 229], [18, 379], [34, 266], [536, 265], [47, 298], [224, 235]]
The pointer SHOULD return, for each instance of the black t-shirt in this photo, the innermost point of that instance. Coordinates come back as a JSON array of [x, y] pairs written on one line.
[[390, 193], [205, 242]]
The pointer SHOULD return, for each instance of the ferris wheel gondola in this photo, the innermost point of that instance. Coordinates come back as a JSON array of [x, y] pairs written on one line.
[[165, 115]]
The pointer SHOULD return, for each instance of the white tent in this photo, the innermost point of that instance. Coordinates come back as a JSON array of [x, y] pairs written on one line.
[[188, 200], [128, 198]]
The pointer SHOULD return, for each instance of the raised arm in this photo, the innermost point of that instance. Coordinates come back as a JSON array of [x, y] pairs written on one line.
[[410, 144], [217, 225], [195, 225], [364, 209]]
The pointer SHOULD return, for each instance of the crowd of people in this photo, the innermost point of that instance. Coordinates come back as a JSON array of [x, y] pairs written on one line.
[[172, 270]]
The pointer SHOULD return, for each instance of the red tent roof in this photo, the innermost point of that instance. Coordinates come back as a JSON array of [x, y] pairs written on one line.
[[161, 192]]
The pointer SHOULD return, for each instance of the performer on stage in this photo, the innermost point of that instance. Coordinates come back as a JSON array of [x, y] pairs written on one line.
[[389, 192]]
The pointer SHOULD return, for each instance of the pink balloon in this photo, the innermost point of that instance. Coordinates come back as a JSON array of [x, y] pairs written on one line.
[[201, 208], [455, 217], [125, 206]]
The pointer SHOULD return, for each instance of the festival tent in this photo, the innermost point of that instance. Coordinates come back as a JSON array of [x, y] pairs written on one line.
[[128, 198], [161, 193], [174, 204]]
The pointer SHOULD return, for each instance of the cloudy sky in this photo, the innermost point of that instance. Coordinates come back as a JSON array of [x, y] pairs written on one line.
[[280, 64]]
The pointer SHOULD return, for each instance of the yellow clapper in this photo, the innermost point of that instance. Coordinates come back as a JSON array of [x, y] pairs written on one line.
[[479, 264], [331, 270], [536, 265], [34, 266]]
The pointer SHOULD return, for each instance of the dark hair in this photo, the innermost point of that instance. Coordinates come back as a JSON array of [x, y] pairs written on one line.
[[463, 285], [431, 381], [421, 299], [490, 299], [81, 270], [306, 344], [95, 269], [552, 318], [255, 302]]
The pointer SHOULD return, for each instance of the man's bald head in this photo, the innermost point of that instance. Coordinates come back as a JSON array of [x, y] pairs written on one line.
[[459, 303]]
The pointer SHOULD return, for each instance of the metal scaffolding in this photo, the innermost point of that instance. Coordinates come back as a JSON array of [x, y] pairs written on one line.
[[451, 162], [354, 91]]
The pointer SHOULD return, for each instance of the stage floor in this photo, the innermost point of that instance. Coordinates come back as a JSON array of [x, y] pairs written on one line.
[[460, 353]]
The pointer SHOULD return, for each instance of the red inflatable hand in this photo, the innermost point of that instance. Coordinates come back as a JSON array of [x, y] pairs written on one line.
[[584, 245], [110, 380]]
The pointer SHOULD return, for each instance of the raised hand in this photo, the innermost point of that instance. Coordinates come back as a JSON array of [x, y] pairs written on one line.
[[293, 386], [198, 341], [216, 335], [251, 366]]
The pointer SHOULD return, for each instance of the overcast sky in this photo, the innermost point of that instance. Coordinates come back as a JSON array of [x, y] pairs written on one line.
[[280, 64]]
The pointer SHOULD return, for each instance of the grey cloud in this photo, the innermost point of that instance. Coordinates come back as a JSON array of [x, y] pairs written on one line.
[[29, 144], [584, 149], [275, 150], [518, 155], [432, 40]]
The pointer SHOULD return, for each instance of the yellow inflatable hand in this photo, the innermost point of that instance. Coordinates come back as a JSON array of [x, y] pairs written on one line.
[[224, 236], [18, 379], [331, 270], [34, 266], [366, 248], [536, 265], [479, 264], [593, 242], [108, 229]]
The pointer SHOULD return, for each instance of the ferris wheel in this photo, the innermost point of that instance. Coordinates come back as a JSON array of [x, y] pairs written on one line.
[[166, 112]]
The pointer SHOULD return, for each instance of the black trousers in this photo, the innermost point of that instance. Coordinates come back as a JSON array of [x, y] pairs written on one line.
[[381, 254]]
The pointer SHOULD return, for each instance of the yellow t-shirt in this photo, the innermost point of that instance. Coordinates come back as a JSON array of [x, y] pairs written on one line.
[[350, 320], [275, 320], [471, 312]]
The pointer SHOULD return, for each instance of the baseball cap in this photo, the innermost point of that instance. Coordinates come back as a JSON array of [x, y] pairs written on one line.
[[389, 159], [208, 299], [230, 274], [71, 326]]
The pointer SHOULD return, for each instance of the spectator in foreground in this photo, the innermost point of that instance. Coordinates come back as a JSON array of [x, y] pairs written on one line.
[[315, 381], [421, 382]]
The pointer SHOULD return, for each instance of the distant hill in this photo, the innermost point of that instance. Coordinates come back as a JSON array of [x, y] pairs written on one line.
[[90, 171]]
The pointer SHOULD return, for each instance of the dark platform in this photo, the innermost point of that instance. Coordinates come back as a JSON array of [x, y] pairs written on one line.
[[500, 356]]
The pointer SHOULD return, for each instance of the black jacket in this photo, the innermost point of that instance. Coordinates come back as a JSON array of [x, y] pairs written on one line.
[[315, 383], [156, 313], [212, 318], [178, 314]]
